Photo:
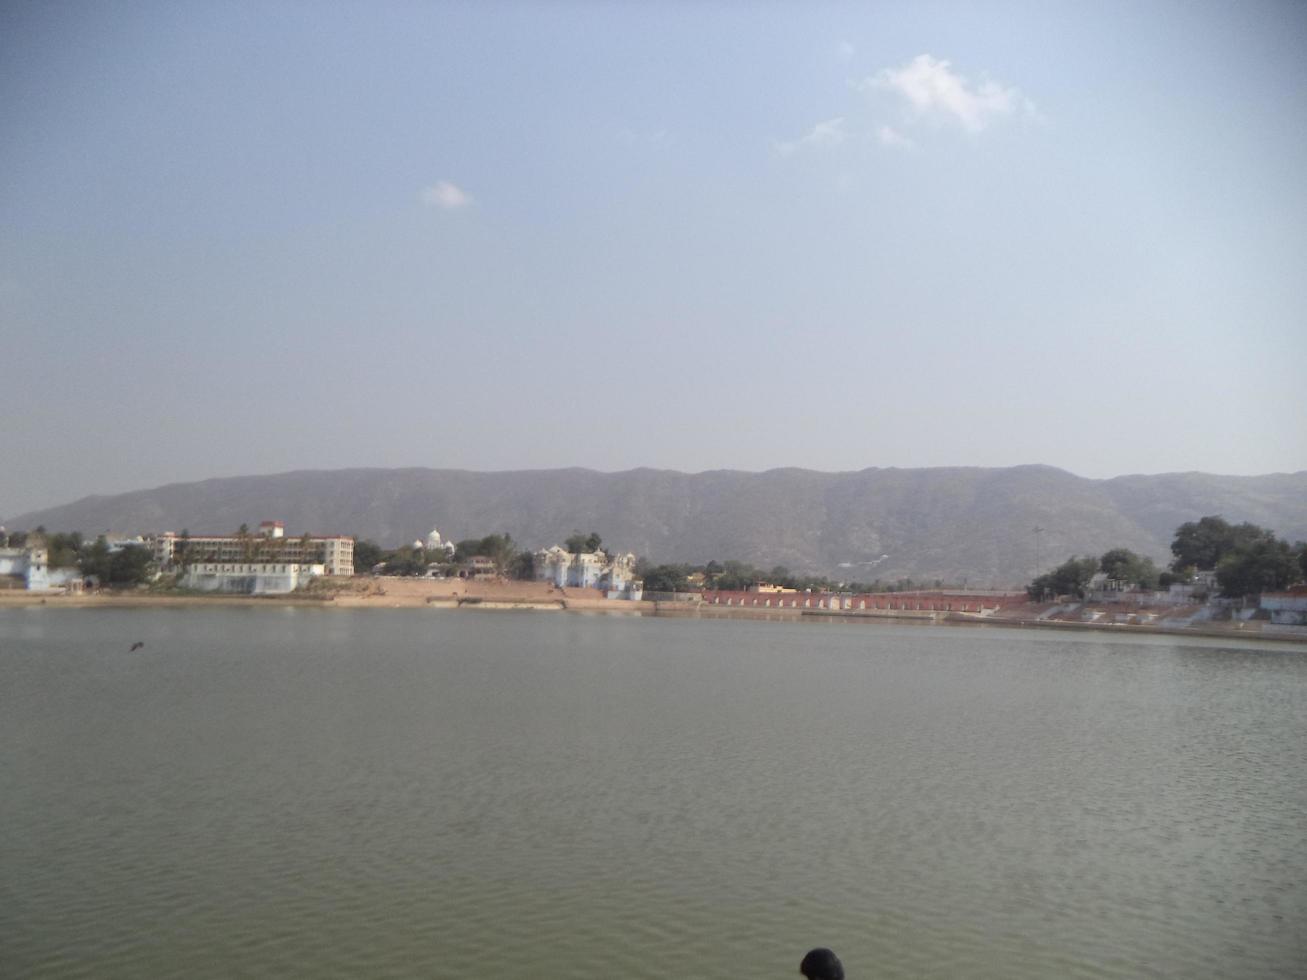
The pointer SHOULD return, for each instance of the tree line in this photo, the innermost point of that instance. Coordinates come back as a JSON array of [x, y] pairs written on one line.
[[1246, 560], [133, 564], [129, 565], [736, 576], [510, 560]]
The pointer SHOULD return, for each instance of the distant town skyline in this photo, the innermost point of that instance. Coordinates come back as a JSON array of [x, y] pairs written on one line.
[[250, 238]]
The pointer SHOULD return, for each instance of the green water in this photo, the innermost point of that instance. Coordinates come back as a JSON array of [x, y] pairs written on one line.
[[320, 793]]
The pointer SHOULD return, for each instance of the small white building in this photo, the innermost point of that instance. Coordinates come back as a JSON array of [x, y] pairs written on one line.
[[614, 574], [436, 543], [479, 567], [29, 564]]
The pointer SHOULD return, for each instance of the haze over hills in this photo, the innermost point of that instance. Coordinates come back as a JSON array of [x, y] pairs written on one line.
[[956, 524]]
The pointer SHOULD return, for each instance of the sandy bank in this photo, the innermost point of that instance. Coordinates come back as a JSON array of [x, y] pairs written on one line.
[[539, 597], [363, 593]]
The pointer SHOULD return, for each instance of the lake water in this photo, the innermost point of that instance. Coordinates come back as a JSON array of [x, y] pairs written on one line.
[[318, 793]]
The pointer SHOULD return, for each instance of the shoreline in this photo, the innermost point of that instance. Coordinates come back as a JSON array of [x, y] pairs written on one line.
[[906, 618], [496, 598]]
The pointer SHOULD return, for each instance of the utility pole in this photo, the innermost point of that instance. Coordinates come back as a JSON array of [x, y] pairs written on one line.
[[1038, 557]]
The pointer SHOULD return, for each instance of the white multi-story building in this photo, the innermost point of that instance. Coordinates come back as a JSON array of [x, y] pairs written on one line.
[[334, 553]]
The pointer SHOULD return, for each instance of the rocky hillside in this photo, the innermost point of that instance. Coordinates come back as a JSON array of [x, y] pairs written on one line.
[[951, 523]]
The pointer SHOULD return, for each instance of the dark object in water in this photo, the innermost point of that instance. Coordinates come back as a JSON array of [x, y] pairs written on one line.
[[822, 964], [137, 645]]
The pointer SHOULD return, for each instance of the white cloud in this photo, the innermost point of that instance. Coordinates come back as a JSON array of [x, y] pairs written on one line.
[[445, 195], [933, 90], [824, 135], [889, 136]]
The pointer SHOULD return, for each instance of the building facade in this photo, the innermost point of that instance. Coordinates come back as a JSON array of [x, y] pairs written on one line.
[[335, 553], [248, 578], [479, 567], [31, 565], [614, 574], [1286, 608]]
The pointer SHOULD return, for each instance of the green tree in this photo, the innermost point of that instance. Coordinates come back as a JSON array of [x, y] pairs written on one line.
[[63, 549], [131, 565], [523, 566], [367, 554], [578, 543], [1070, 578], [499, 548], [1124, 565], [1203, 543], [1200, 543], [1265, 565], [94, 560], [1117, 563], [666, 578], [738, 575], [1168, 578], [405, 561]]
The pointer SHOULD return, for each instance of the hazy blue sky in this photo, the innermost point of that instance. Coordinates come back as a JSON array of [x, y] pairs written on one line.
[[246, 238]]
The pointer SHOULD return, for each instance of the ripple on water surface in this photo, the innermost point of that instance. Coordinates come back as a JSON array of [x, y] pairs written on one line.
[[303, 793]]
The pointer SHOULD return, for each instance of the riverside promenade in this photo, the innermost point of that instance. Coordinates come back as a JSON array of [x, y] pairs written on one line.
[[979, 609]]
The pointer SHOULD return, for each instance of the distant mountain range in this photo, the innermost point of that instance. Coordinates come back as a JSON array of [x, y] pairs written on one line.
[[951, 523]]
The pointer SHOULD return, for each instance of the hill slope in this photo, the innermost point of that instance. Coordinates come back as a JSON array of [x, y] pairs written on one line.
[[950, 523]]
